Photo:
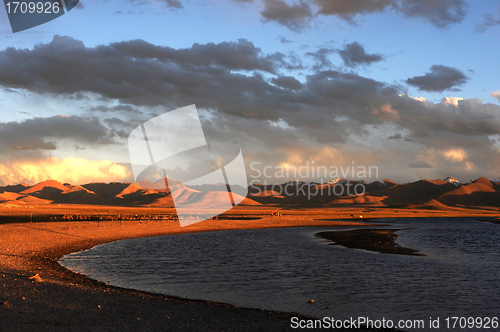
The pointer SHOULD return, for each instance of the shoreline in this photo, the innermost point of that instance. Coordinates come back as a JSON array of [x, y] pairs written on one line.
[[58, 299], [62, 299]]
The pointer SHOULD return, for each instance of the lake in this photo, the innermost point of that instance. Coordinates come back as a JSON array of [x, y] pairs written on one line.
[[282, 269]]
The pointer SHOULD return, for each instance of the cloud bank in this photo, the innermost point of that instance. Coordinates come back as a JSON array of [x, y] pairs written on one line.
[[296, 16], [277, 110]]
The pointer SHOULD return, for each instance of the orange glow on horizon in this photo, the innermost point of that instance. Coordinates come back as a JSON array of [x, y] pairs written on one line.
[[72, 170]]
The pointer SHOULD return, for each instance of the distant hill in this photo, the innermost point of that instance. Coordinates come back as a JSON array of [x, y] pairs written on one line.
[[143, 194], [425, 194]]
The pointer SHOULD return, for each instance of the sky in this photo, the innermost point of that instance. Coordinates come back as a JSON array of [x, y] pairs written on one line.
[[408, 87]]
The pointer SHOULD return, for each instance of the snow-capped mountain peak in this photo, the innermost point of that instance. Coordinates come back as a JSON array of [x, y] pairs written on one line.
[[337, 181], [451, 179], [382, 183]]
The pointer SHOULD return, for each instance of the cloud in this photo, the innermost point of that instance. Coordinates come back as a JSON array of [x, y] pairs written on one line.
[[117, 108], [287, 82], [395, 136], [141, 74], [452, 100], [469, 117], [347, 9], [134, 72], [137, 73], [284, 40], [321, 58], [422, 99], [354, 55], [295, 17], [495, 94], [387, 112], [440, 13], [240, 55], [173, 4], [420, 164], [455, 155], [460, 162], [489, 21], [72, 170], [122, 128], [244, 100], [440, 78], [42, 133]]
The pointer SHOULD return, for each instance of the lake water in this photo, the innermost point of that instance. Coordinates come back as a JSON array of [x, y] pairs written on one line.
[[282, 269]]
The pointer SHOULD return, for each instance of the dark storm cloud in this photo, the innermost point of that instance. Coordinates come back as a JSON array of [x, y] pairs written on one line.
[[295, 17], [41, 133], [440, 13], [440, 78], [354, 55], [489, 21]]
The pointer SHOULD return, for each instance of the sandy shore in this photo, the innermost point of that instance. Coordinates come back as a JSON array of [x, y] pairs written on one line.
[[59, 300]]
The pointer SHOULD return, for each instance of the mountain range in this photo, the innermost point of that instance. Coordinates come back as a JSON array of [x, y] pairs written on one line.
[[447, 194], [426, 194]]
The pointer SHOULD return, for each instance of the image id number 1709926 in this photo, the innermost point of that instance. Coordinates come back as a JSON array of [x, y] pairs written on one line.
[[471, 322], [32, 7]]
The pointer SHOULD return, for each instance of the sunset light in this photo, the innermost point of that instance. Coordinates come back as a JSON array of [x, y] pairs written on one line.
[[250, 165]]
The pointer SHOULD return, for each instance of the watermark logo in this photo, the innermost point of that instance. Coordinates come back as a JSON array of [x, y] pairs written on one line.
[[31, 13], [171, 152], [310, 181]]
